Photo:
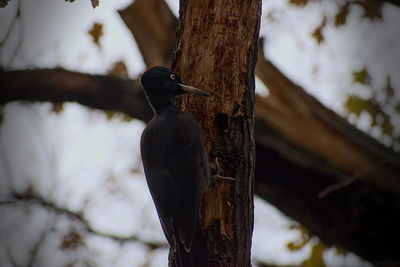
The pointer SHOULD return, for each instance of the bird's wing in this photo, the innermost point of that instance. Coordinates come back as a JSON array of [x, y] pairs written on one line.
[[176, 169]]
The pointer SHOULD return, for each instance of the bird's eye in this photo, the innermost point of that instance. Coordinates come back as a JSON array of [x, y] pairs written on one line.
[[172, 77]]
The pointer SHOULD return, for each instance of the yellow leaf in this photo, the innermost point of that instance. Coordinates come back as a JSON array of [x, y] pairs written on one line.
[[127, 118], [301, 241], [361, 76], [110, 114], [356, 105], [316, 259]]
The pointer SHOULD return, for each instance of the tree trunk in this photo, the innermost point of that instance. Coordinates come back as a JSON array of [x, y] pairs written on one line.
[[216, 51]]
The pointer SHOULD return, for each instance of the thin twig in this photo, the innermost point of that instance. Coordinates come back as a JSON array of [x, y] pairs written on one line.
[[16, 17], [343, 183], [76, 216]]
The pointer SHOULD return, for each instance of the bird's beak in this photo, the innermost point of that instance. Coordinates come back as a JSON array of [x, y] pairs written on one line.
[[192, 90]]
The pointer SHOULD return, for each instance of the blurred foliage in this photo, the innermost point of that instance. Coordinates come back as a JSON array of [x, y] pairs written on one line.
[[111, 114], [361, 76], [341, 16], [340, 250], [119, 70], [377, 107], [71, 240], [57, 107], [96, 32], [356, 105], [317, 34], [372, 8], [298, 2], [3, 3], [95, 3], [316, 259], [301, 241]]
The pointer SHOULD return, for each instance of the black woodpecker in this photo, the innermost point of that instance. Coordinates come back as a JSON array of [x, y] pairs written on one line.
[[176, 166]]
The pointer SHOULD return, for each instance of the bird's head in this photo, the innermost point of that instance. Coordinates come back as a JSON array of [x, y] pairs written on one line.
[[162, 85]]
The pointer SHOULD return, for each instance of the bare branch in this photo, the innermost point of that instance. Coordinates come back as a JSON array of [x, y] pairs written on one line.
[[393, 2], [74, 216], [13, 22], [332, 188], [36, 247]]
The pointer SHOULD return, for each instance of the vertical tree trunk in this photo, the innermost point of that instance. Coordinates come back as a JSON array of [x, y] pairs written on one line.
[[216, 51]]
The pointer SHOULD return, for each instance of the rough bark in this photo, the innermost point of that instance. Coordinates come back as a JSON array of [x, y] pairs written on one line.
[[216, 50]]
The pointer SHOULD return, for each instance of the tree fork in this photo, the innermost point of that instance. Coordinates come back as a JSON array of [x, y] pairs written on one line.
[[216, 51]]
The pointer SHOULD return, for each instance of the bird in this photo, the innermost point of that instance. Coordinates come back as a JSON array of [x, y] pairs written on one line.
[[176, 165]]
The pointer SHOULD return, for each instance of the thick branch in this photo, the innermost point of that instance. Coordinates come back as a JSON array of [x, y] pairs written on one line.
[[304, 121], [59, 85], [152, 16], [338, 182]]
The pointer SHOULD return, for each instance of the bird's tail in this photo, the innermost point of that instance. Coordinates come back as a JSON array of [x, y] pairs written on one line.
[[197, 256]]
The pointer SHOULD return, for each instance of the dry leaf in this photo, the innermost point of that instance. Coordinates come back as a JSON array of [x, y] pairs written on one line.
[[372, 8], [298, 2], [72, 240], [341, 16], [96, 32], [317, 34], [95, 3], [57, 107], [119, 70]]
